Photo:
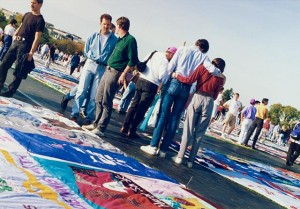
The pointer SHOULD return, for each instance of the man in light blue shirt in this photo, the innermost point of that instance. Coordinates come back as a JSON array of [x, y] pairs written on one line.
[[98, 48]]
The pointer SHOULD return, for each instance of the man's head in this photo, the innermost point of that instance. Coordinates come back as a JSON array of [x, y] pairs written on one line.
[[36, 5], [203, 45], [236, 96], [123, 23], [13, 22], [265, 101], [252, 101], [170, 52], [219, 63], [105, 22]]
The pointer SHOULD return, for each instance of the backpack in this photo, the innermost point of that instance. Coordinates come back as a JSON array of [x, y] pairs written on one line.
[[296, 132], [141, 66]]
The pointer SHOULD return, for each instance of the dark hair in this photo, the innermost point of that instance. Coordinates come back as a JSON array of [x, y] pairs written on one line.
[[112, 26], [105, 16], [39, 1], [237, 94], [203, 45], [257, 102], [219, 63], [265, 100], [13, 21], [123, 23]]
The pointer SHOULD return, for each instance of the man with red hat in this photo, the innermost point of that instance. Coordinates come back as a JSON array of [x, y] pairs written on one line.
[[155, 75]]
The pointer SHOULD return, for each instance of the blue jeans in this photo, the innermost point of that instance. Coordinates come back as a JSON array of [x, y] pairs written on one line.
[[7, 41], [127, 97], [176, 94], [89, 80]]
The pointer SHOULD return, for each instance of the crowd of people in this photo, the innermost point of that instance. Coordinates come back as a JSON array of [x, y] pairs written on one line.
[[111, 62]]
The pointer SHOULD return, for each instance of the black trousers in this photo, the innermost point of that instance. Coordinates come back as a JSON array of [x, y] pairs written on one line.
[[143, 97], [17, 49], [293, 152], [257, 124]]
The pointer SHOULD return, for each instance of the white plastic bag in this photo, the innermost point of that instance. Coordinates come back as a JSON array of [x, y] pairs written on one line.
[[154, 115]]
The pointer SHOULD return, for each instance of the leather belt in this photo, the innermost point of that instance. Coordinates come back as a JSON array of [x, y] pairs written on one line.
[[203, 93]]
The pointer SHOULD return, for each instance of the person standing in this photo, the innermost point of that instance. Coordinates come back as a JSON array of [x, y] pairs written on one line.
[[261, 114], [233, 106], [200, 109], [156, 74], [175, 93], [122, 60], [217, 103], [9, 32], [247, 118], [74, 62], [98, 48], [51, 53], [26, 40]]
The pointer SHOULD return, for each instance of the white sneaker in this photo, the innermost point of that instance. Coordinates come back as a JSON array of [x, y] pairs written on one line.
[[177, 160], [89, 127], [223, 136], [162, 154], [149, 149], [97, 132]]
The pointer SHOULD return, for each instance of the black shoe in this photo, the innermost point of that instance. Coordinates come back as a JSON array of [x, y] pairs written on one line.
[[64, 103], [7, 94], [289, 163], [73, 118], [133, 135]]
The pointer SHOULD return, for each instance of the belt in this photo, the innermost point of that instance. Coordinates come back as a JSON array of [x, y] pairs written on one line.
[[19, 38], [101, 63], [203, 93]]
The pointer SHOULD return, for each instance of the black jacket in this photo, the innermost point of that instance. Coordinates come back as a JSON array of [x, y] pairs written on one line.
[[25, 67]]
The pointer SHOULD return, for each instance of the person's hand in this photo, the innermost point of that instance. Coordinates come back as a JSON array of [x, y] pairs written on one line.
[[29, 58], [174, 75], [122, 78]]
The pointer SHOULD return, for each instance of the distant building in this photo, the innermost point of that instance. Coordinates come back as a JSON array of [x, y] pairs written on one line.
[[53, 32], [8, 14]]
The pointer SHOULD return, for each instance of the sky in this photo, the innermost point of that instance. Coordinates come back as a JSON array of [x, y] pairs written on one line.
[[258, 39]]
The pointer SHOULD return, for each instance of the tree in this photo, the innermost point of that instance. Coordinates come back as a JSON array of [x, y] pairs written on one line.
[[284, 115], [3, 21], [19, 18], [275, 113], [46, 38], [69, 46], [227, 95]]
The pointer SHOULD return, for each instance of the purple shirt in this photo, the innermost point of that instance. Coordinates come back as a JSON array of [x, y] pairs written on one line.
[[249, 112]]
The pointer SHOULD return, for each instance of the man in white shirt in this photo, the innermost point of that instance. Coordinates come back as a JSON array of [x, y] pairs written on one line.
[[233, 106], [156, 74], [7, 39]]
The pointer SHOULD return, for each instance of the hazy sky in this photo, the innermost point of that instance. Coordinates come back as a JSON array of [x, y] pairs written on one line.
[[258, 39]]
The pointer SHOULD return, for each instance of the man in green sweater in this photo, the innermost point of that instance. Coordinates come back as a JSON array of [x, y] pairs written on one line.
[[123, 59]]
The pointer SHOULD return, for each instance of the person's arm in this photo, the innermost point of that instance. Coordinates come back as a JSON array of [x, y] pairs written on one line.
[[16, 32], [192, 78], [122, 78], [133, 60], [34, 45]]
